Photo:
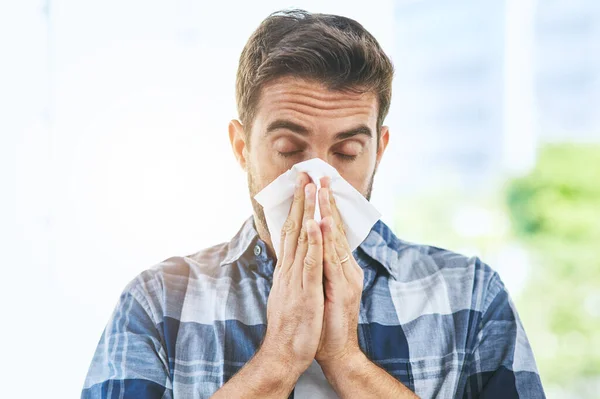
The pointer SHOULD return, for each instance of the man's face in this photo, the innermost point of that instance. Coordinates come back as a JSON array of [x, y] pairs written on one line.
[[297, 120]]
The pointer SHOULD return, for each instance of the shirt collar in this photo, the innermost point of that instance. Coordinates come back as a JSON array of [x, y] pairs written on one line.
[[381, 245], [241, 242]]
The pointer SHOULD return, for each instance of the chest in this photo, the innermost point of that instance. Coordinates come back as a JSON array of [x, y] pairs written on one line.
[[219, 333]]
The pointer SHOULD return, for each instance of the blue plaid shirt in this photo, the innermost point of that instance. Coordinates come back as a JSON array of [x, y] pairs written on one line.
[[441, 323]]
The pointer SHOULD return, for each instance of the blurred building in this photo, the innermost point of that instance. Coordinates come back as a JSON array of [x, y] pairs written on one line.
[[478, 84], [567, 80], [449, 89]]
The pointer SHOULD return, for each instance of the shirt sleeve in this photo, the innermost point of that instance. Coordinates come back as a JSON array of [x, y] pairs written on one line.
[[130, 360], [501, 363]]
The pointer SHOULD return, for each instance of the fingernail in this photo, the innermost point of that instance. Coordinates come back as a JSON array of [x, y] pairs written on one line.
[[298, 181]]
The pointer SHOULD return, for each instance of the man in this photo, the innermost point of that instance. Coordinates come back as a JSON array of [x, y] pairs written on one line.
[[390, 319]]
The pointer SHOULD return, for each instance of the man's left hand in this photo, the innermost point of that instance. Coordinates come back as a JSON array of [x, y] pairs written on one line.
[[343, 285]]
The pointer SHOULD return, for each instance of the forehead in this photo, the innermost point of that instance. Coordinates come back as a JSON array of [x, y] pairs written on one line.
[[313, 104]]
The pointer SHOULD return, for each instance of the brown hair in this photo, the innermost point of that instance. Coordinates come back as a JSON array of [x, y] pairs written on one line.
[[331, 49]]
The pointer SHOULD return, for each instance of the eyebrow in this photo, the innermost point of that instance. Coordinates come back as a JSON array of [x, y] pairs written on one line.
[[303, 131], [288, 125]]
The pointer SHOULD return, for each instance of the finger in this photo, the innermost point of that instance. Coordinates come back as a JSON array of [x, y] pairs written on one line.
[[324, 203], [347, 263], [336, 214], [325, 181], [293, 224], [331, 262], [310, 191], [341, 249], [281, 249], [330, 208], [327, 210], [324, 193], [312, 276]]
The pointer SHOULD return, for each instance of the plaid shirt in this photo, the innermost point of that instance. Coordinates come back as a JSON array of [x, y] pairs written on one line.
[[441, 323]]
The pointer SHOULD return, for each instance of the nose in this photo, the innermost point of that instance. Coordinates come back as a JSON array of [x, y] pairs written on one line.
[[323, 155]]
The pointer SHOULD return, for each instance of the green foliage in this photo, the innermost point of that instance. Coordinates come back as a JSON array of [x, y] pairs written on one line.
[[555, 210], [554, 213], [561, 197]]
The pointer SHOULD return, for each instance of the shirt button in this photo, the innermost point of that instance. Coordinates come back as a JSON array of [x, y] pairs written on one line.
[[257, 250]]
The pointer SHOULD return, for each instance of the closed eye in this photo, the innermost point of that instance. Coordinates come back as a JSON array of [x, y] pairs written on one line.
[[346, 157], [289, 153]]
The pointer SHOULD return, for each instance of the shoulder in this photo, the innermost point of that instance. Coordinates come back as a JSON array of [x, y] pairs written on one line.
[[161, 289], [462, 282]]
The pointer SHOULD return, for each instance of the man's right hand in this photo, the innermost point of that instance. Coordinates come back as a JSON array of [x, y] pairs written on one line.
[[294, 308], [296, 301]]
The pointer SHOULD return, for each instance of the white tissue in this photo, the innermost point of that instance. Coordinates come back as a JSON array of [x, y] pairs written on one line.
[[358, 215]]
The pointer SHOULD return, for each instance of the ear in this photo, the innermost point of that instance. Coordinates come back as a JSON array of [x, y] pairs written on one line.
[[384, 138], [237, 138]]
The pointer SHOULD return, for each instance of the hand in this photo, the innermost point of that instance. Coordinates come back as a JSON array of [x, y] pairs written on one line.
[[343, 284], [295, 303]]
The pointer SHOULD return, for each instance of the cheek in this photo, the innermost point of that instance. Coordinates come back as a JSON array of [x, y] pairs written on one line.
[[358, 175], [264, 167]]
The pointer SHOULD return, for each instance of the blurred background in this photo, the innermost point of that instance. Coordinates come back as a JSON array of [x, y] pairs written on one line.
[[114, 156]]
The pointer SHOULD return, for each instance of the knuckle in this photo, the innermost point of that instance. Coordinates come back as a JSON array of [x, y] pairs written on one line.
[[310, 261], [282, 278], [330, 238], [329, 261], [303, 236], [288, 259], [313, 240], [289, 226]]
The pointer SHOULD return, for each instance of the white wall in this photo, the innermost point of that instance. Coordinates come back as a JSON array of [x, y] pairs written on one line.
[[114, 156]]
